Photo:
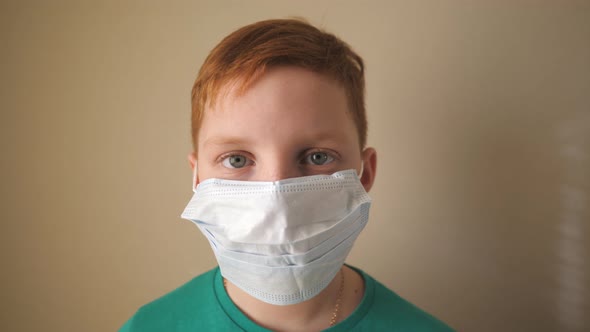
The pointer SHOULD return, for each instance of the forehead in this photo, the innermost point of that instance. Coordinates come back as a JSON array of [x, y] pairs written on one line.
[[285, 103]]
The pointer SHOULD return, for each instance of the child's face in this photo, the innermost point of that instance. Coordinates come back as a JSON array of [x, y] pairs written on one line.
[[289, 123]]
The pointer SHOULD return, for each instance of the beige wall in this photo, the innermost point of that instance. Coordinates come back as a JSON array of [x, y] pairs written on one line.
[[479, 110]]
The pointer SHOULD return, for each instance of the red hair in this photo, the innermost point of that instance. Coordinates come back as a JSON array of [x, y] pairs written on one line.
[[244, 55]]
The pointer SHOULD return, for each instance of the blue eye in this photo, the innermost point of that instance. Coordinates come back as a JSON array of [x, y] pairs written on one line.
[[319, 158], [235, 161]]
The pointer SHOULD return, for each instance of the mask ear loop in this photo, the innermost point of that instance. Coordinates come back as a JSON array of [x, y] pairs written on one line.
[[195, 177], [360, 174]]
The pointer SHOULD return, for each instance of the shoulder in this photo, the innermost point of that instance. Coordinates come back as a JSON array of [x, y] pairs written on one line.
[[187, 305], [389, 310]]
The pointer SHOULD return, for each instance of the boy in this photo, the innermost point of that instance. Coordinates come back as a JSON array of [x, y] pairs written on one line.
[[281, 173]]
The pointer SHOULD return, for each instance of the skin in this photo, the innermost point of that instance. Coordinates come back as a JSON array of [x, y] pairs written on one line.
[[290, 123]]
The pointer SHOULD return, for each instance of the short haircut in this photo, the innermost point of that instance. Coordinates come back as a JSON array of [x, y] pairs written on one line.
[[245, 55]]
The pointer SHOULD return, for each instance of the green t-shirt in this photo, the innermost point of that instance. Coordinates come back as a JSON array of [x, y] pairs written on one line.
[[202, 304]]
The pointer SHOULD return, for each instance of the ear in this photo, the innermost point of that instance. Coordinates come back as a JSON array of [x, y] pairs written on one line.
[[192, 160], [369, 158]]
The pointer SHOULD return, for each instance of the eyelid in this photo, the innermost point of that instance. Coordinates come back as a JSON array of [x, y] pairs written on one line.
[[331, 153], [226, 155], [328, 151]]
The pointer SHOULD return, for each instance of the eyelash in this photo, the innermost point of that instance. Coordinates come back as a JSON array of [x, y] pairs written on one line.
[[332, 155], [221, 159]]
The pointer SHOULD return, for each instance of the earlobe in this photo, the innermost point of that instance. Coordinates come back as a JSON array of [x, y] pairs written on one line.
[[369, 158]]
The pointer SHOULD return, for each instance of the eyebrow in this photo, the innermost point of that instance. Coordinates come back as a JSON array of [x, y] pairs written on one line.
[[236, 141], [224, 140]]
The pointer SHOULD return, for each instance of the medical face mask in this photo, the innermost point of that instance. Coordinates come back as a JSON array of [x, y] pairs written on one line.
[[282, 242]]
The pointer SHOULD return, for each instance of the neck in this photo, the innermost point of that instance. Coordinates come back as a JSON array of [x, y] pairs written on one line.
[[312, 315]]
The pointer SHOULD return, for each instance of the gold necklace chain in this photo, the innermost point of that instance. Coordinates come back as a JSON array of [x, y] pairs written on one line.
[[336, 311], [338, 300]]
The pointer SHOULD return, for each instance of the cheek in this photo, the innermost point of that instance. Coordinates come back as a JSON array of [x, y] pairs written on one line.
[[205, 167]]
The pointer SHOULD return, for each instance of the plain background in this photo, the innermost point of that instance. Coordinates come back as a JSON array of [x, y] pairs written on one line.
[[479, 111]]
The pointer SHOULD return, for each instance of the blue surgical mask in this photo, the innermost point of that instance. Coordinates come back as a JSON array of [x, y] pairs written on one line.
[[282, 242]]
